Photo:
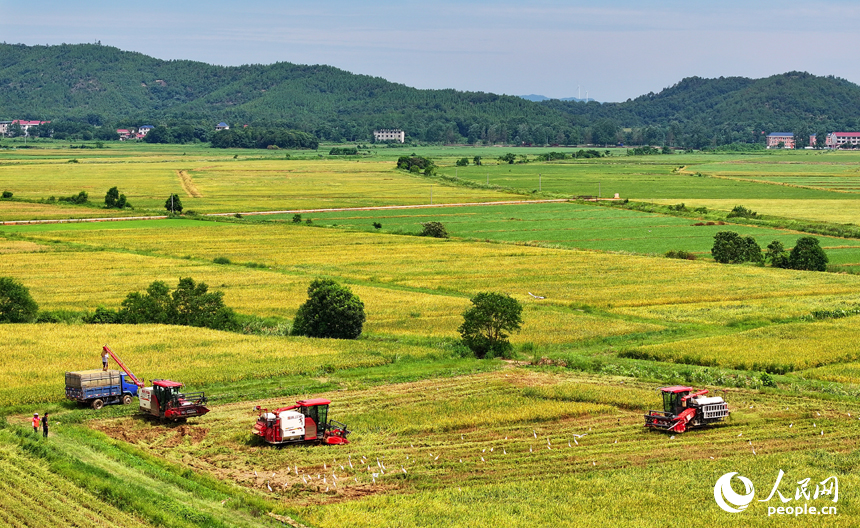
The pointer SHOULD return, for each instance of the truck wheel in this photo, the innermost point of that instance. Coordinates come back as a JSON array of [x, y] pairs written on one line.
[[126, 400], [98, 404]]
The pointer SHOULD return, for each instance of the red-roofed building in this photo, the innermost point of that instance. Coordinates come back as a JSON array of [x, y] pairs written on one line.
[[25, 125], [123, 133], [835, 140]]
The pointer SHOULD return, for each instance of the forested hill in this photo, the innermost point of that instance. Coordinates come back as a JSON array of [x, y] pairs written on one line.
[[734, 108], [104, 85]]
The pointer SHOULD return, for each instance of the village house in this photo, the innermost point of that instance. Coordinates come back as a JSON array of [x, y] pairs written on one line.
[[222, 126], [386, 134], [123, 133], [775, 138]]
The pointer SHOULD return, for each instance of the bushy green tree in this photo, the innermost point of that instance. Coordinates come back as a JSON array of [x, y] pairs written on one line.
[[777, 255], [331, 311], [463, 162], [807, 254], [729, 248], [190, 304], [173, 204], [115, 200], [434, 229], [16, 304], [486, 325]]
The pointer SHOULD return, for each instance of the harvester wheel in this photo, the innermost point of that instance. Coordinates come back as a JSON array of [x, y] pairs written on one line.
[[126, 400], [98, 404]]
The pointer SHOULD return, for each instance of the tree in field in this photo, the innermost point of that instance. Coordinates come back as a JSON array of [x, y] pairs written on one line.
[[331, 311], [190, 304], [16, 305], [463, 162], [509, 158], [752, 251], [434, 229], [777, 255], [173, 204], [820, 140], [115, 200], [729, 248], [476, 160], [807, 255], [487, 323]]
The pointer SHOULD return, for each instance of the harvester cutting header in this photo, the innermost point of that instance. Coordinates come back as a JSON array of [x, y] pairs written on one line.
[[305, 422], [683, 410]]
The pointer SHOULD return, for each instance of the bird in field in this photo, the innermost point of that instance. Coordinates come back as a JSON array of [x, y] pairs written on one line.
[[268, 486], [534, 433], [402, 469], [255, 472], [536, 296]]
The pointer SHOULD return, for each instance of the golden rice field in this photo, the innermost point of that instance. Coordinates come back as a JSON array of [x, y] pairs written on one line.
[[476, 449], [776, 348], [207, 186], [36, 356], [835, 210], [463, 268]]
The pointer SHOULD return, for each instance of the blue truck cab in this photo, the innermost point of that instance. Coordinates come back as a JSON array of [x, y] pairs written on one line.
[[100, 387]]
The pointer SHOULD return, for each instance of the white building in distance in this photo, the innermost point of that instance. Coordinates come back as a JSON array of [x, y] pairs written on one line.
[[389, 134]]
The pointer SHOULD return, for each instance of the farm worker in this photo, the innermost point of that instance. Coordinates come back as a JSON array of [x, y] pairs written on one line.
[[45, 425], [36, 422], [104, 360]]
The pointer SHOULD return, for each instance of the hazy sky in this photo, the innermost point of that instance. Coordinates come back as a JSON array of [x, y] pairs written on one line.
[[613, 49]]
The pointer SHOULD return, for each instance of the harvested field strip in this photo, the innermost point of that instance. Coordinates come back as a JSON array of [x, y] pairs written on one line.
[[188, 185]]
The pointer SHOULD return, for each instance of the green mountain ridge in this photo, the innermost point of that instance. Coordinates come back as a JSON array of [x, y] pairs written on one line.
[[102, 84]]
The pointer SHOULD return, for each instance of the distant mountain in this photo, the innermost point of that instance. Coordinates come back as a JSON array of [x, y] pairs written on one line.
[[539, 98], [93, 85]]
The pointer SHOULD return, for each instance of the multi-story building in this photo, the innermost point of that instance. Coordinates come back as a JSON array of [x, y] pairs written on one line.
[[835, 140], [389, 134], [775, 138]]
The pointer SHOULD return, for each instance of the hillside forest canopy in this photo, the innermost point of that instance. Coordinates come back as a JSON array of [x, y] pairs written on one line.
[[88, 91]]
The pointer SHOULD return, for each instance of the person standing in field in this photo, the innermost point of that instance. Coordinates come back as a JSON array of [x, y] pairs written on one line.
[[104, 360], [45, 425], [36, 422]]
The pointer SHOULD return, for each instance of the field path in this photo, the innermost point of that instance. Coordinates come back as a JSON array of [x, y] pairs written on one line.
[[291, 211], [190, 189]]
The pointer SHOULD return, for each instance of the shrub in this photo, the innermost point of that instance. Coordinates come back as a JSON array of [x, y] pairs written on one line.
[[486, 323], [463, 162], [434, 229], [80, 198], [377, 225], [221, 260], [416, 164], [7, 194], [681, 254], [343, 151], [297, 218], [331, 311], [739, 211], [16, 304], [807, 255]]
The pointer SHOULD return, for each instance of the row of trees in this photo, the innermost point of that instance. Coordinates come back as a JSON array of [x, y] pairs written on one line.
[[731, 248]]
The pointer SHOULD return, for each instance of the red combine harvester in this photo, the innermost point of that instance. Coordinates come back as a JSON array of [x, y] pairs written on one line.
[[683, 410], [304, 422], [163, 400]]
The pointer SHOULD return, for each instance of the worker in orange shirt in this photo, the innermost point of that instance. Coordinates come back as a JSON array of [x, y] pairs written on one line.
[[36, 422]]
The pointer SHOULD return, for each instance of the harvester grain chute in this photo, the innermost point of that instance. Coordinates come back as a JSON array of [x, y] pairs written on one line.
[[684, 409], [305, 422]]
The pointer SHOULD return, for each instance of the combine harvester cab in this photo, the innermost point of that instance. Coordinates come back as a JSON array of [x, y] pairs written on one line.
[[683, 410], [163, 400], [304, 422]]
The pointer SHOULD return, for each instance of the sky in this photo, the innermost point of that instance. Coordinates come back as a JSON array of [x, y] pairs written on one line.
[[610, 50]]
